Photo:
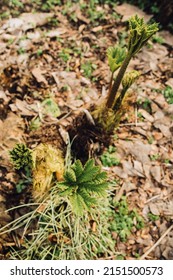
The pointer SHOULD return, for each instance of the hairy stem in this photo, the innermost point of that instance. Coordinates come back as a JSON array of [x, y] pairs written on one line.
[[110, 84], [119, 100], [115, 87]]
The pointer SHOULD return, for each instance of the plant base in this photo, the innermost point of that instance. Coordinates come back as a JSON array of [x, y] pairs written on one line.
[[88, 139]]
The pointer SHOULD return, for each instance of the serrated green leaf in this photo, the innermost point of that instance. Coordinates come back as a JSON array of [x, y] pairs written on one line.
[[21, 156], [81, 183], [102, 176], [67, 192], [78, 204], [70, 176], [89, 201], [78, 168], [89, 172], [129, 78], [93, 187]]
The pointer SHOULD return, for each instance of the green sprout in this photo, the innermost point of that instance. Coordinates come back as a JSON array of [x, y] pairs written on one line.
[[140, 33], [124, 219], [88, 67], [168, 94], [109, 157], [107, 116], [115, 55], [65, 54], [153, 217], [16, 3], [128, 79], [21, 156]]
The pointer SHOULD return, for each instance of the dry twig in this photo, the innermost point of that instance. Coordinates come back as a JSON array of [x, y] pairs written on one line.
[[156, 244]]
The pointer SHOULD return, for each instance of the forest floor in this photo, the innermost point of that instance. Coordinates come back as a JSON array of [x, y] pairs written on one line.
[[53, 65]]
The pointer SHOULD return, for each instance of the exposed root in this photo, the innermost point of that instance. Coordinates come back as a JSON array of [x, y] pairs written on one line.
[[87, 139]]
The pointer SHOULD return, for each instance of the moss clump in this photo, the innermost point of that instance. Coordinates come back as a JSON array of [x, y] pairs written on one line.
[[47, 161]]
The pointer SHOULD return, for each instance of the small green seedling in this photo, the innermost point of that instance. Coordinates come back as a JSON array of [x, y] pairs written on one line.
[[124, 220], [21, 50], [153, 217], [39, 52], [168, 94], [154, 157], [158, 39], [109, 157], [65, 54], [145, 104], [16, 3], [87, 68]]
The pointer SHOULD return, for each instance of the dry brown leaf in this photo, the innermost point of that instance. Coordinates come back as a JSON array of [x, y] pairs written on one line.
[[138, 168], [32, 20], [12, 130], [157, 135], [146, 115], [97, 28], [152, 57], [26, 21], [120, 172], [127, 10], [22, 107], [163, 128], [146, 167], [167, 36], [154, 209], [138, 149], [37, 73], [4, 96], [169, 82], [156, 173], [56, 32]]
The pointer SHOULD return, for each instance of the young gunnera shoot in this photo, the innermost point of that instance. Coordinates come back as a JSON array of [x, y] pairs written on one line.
[[108, 114]]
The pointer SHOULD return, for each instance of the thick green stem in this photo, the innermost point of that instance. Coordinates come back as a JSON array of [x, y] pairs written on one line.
[[119, 100], [117, 82], [110, 84]]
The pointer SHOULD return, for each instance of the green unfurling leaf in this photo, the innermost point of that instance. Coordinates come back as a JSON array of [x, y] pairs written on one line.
[[140, 33], [115, 55], [129, 78]]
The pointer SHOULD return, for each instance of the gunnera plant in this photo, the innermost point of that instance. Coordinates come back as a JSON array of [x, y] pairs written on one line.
[[71, 218], [97, 124]]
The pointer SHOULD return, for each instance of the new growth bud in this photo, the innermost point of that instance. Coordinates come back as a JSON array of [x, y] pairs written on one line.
[[116, 56], [140, 32], [129, 78]]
